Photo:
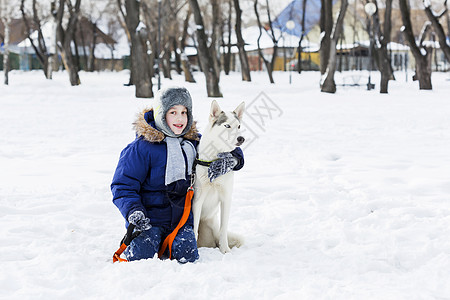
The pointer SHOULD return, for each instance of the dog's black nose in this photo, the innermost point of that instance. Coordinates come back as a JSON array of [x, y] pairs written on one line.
[[240, 140]]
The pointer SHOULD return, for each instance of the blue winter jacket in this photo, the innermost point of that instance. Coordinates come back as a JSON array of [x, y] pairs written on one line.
[[139, 180]]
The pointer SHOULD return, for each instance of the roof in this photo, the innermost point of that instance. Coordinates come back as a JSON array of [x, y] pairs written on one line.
[[17, 31], [20, 44], [294, 11]]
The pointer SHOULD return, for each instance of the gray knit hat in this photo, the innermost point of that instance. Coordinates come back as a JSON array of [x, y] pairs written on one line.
[[164, 100]]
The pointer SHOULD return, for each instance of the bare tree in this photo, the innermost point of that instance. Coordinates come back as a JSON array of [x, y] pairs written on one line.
[[184, 59], [65, 36], [172, 40], [269, 65], [173, 35], [214, 37], [139, 61], [422, 54], [245, 67], [383, 37], [205, 57], [6, 20], [150, 19], [302, 36], [326, 26], [43, 52], [328, 85], [168, 20], [227, 45], [438, 29], [7, 12], [127, 32]]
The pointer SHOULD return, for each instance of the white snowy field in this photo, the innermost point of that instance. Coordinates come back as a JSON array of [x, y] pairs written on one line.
[[343, 196]]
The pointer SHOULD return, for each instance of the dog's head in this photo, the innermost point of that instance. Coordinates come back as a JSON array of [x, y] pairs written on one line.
[[225, 127]]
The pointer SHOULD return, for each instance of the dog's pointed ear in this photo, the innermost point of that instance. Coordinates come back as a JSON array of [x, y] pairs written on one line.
[[215, 110], [239, 111]]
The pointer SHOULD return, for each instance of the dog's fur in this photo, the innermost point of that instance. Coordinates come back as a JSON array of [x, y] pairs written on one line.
[[221, 135]]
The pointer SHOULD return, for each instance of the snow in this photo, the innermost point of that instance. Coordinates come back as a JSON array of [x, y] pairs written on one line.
[[343, 196], [141, 26]]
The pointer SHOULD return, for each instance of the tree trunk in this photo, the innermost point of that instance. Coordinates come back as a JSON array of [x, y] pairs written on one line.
[[383, 57], [77, 54], [423, 70], [83, 44], [52, 56], [385, 69], [245, 67], [166, 65], [151, 42], [215, 54], [127, 32], [177, 55], [91, 58], [184, 59], [206, 61], [186, 68], [300, 49], [329, 86], [326, 26], [447, 18], [6, 24], [65, 37], [227, 54], [139, 60]]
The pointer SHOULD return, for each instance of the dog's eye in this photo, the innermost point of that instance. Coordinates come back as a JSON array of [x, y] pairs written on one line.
[[227, 126], [239, 126]]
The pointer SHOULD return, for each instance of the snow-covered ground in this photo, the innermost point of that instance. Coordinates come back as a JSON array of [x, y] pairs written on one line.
[[343, 196]]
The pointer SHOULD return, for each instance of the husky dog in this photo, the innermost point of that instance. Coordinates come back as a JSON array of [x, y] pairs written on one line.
[[220, 135]]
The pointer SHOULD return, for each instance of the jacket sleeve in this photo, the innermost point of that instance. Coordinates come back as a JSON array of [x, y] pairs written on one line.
[[131, 171], [237, 152]]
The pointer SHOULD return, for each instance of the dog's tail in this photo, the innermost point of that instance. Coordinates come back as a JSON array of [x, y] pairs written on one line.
[[235, 240]]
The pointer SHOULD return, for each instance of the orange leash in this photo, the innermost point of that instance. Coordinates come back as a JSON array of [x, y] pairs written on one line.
[[116, 256], [125, 242], [169, 239]]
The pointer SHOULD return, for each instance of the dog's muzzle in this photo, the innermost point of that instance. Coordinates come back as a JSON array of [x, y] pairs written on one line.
[[240, 140]]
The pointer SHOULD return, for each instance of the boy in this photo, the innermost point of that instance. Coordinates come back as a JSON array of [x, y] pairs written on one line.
[[153, 175]]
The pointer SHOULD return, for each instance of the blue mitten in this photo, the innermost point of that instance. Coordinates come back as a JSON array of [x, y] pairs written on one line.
[[138, 219], [221, 166]]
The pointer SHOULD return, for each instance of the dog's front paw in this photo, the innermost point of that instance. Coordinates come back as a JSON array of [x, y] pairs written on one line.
[[224, 248]]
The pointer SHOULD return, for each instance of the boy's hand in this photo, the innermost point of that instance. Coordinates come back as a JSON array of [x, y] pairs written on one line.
[[138, 219], [221, 166]]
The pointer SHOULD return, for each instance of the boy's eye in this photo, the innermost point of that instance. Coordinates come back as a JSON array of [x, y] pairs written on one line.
[[227, 126]]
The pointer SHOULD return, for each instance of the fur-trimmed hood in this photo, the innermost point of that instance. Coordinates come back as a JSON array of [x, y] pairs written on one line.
[[145, 127]]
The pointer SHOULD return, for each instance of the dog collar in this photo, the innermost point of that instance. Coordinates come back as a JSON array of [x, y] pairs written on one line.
[[204, 163]]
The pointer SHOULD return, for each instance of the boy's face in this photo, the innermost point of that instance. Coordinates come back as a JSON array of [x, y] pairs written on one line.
[[177, 118]]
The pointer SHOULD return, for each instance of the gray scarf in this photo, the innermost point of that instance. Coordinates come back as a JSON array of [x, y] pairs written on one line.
[[176, 167]]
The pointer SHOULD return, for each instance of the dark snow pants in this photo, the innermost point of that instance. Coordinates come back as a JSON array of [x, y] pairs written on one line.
[[147, 244]]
